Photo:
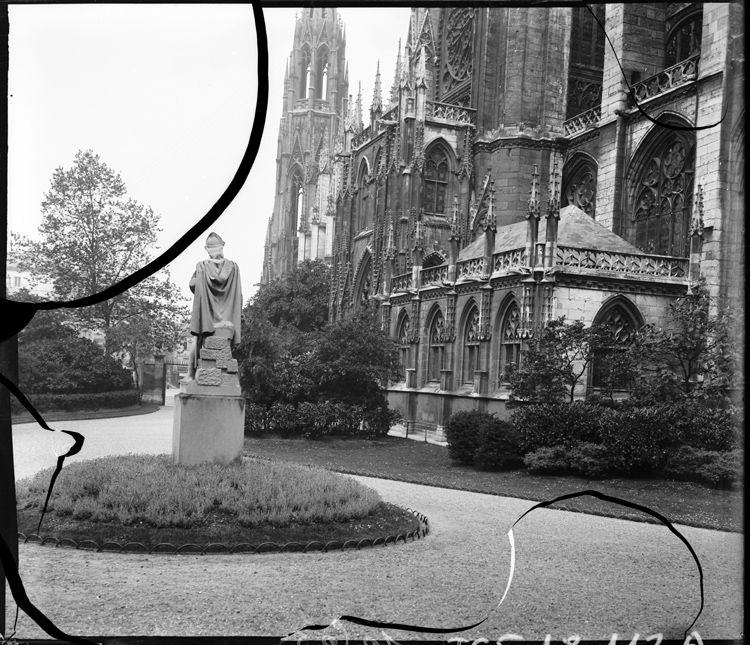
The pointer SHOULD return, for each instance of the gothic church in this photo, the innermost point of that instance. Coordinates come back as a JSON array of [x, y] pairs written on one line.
[[523, 165]]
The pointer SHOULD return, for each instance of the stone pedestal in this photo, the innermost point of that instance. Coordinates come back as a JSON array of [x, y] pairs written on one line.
[[209, 415]]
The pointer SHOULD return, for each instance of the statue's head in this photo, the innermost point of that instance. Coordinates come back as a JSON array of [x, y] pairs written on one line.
[[214, 245]]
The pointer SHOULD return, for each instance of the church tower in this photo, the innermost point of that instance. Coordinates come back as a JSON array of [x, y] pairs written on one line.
[[310, 133]]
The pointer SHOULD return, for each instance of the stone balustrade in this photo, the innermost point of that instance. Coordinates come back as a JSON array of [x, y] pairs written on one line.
[[434, 275], [625, 263], [401, 282], [584, 120], [502, 262], [452, 113], [358, 140], [683, 72]]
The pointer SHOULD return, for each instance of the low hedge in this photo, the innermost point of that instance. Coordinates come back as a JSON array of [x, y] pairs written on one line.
[[478, 438], [78, 401], [462, 434], [552, 424], [317, 420], [583, 459]]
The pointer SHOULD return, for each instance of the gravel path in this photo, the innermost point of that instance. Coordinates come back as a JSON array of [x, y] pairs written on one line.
[[575, 574]]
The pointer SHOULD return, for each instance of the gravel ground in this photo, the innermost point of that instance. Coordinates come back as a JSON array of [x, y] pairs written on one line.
[[575, 574]]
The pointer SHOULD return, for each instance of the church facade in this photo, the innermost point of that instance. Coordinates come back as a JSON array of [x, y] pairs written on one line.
[[524, 164]]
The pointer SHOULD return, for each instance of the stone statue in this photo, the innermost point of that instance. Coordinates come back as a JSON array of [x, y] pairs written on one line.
[[217, 303]]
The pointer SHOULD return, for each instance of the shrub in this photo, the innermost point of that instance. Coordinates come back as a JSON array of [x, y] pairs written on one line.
[[498, 446], [74, 402], [256, 419], [725, 470], [718, 468], [378, 421], [551, 460], [545, 425], [639, 439], [710, 427], [282, 419], [589, 460], [462, 434]]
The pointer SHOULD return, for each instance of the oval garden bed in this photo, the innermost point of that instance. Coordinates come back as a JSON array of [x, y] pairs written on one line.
[[151, 504]]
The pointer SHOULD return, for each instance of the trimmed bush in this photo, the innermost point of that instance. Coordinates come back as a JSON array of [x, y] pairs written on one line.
[[717, 468], [552, 460], [255, 419], [589, 460], [546, 425], [498, 446], [639, 440], [78, 401], [462, 434], [710, 427]]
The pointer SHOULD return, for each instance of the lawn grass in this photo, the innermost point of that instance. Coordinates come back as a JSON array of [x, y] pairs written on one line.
[[407, 460], [148, 499]]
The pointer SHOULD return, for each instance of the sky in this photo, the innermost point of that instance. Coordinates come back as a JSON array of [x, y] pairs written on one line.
[[165, 94]]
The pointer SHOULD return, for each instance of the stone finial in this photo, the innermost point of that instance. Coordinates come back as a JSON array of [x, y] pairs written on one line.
[[534, 207]]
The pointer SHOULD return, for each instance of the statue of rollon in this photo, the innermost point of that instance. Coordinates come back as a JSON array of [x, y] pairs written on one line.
[[209, 411]]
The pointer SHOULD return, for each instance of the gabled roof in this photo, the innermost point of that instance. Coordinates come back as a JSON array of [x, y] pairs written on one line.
[[576, 229]]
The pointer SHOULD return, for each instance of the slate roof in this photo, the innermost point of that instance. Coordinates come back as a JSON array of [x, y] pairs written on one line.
[[575, 229]]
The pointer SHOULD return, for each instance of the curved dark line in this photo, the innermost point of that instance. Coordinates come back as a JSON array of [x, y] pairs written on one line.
[[75, 448], [682, 128], [222, 203], [638, 507], [22, 600]]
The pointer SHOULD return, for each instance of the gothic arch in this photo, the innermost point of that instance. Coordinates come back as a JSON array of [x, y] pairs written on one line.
[[321, 69], [362, 198], [659, 189], [439, 165], [363, 279], [579, 182], [683, 38], [469, 360], [434, 259], [435, 329], [623, 318], [305, 70], [296, 188], [507, 345], [403, 334]]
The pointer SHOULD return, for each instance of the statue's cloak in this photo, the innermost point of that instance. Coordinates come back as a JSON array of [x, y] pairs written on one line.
[[218, 298]]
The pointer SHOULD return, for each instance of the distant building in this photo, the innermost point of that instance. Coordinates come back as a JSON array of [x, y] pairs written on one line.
[[17, 278], [522, 167]]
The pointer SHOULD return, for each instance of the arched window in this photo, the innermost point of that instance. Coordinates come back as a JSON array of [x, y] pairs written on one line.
[[363, 204], [364, 284], [579, 184], [510, 340], [402, 333], [437, 348], [471, 345], [622, 325], [321, 72], [684, 37], [436, 169], [297, 200], [433, 260], [305, 69], [663, 197]]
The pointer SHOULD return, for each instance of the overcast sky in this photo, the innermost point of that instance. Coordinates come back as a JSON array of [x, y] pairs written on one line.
[[165, 95]]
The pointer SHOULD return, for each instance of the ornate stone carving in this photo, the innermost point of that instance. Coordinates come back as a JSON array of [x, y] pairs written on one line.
[[458, 37], [624, 263], [683, 72]]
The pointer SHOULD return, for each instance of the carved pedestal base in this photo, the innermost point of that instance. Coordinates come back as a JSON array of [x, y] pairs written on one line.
[[209, 412], [207, 427]]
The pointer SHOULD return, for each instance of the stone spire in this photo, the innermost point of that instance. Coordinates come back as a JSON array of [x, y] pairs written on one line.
[[358, 124], [396, 79], [377, 99]]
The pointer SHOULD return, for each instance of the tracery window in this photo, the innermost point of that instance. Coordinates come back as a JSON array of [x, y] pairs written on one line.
[[579, 186], [510, 341], [305, 76], [663, 201], [436, 349], [402, 334], [622, 327], [684, 38], [436, 170], [471, 346], [458, 47], [321, 72], [297, 199], [362, 201]]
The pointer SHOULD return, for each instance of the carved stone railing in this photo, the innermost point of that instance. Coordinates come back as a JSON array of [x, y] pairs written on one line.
[[434, 275], [508, 260], [644, 265], [321, 104], [401, 282], [301, 104], [469, 268], [391, 115], [589, 118], [362, 138], [684, 72], [452, 113]]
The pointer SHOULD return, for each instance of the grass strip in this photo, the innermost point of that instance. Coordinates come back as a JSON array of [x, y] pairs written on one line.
[[396, 458]]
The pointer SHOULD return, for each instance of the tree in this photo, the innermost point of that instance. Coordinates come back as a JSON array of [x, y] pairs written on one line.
[[554, 363], [692, 356], [53, 359], [93, 236]]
